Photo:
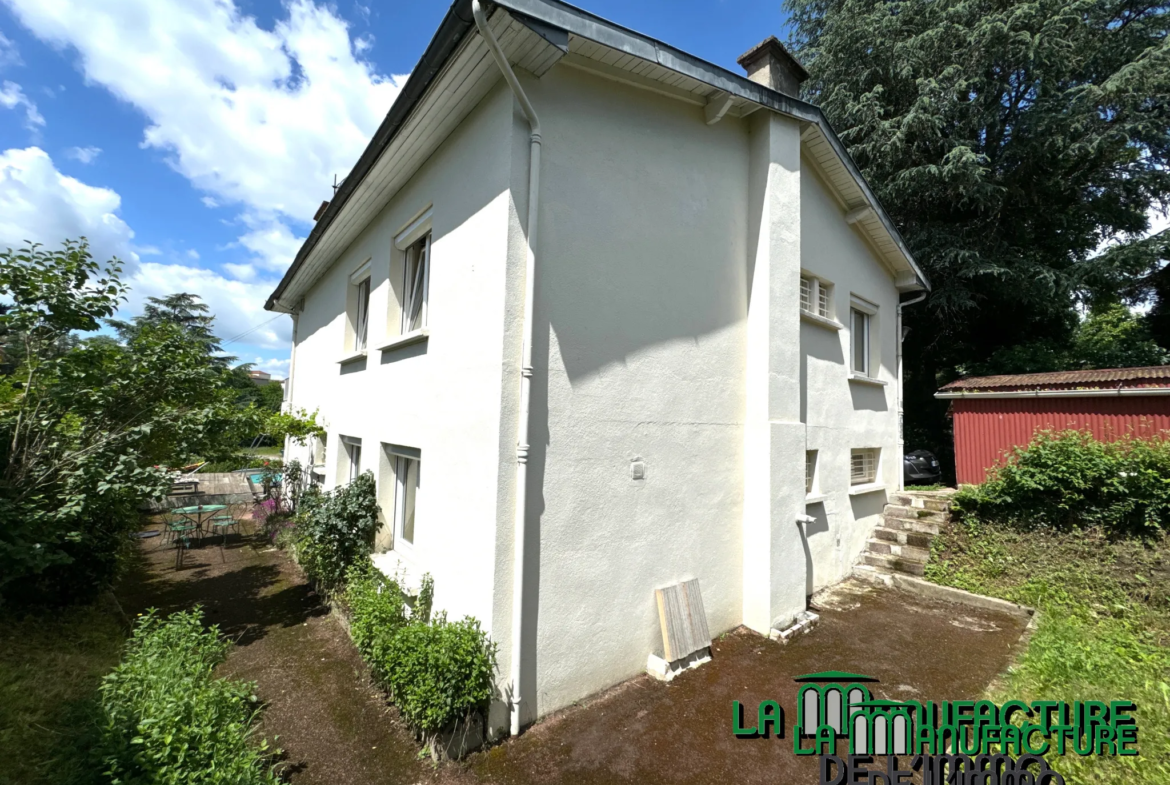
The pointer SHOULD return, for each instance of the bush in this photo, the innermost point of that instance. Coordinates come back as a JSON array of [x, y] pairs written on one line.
[[438, 673], [335, 530], [167, 719], [1070, 479]]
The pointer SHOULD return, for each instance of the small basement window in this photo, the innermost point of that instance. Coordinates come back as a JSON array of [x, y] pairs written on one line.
[[863, 465], [816, 296]]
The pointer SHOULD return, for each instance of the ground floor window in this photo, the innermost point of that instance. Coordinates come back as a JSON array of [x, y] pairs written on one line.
[[810, 470], [353, 457], [863, 466], [398, 496]]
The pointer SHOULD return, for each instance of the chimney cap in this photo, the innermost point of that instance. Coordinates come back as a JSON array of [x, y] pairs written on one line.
[[771, 46]]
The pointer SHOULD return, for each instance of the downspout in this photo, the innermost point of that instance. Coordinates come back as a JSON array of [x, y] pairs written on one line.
[[901, 426], [526, 355]]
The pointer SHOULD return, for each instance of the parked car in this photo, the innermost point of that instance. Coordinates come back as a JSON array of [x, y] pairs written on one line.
[[920, 467]]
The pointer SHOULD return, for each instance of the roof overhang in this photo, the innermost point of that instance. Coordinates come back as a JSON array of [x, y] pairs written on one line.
[[1098, 393], [456, 72]]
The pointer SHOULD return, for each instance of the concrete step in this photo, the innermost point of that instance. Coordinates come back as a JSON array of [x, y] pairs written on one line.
[[902, 511], [922, 501], [908, 552], [912, 525], [891, 563], [903, 537]]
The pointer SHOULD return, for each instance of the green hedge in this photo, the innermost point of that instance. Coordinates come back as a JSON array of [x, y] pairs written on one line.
[[437, 672], [1069, 479], [167, 719]]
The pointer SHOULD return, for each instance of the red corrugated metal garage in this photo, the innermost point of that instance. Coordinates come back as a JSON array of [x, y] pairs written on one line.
[[993, 414]]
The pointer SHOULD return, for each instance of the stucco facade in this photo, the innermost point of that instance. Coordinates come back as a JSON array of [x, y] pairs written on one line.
[[676, 386]]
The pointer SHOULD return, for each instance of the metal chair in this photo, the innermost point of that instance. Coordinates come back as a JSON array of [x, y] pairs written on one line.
[[228, 519]]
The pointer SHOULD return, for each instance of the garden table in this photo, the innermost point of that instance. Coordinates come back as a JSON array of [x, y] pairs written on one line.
[[198, 513]]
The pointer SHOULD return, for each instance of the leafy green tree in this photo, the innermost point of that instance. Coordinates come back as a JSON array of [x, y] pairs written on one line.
[[1008, 139], [87, 426]]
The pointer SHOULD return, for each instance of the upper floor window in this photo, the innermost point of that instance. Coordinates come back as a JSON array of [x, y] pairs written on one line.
[[816, 296], [416, 283], [860, 341], [357, 309]]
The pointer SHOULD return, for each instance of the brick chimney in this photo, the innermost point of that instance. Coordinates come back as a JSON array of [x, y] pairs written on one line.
[[768, 63]]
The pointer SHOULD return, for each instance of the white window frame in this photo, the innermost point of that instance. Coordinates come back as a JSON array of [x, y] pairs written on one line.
[[408, 244], [353, 457], [820, 296], [358, 308], [400, 458], [810, 472], [868, 311], [871, 465]]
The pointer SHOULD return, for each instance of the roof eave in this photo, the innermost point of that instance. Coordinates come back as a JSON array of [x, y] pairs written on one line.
[[455, 26]]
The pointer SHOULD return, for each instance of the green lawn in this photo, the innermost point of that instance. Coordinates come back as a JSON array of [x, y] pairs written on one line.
[[51, 663], [1104, 629]]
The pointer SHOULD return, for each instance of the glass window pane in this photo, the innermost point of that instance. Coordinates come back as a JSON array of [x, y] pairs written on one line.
[[822, 300], [805, 294], [860, 336], [409, 496]]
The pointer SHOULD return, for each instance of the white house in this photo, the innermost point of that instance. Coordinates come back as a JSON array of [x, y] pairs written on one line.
[[602, 317]]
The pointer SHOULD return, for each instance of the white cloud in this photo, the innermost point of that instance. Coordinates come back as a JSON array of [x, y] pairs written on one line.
[[238, 305], [12, 96], [209, 202], [192, 254], [260, 118], [278, 368], [83, 154], [241, 272], [9, 55], [39, 204]]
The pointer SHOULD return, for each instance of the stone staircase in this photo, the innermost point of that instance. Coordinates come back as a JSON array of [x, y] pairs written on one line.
[[901, 542]]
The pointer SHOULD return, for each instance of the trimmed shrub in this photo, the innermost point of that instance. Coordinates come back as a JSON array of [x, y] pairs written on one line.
[[377, 609], [438, 673], [335, 530], [1069, 479], [167, 719]]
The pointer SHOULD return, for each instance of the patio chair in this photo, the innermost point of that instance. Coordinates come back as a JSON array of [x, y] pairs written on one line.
[[176, 526], [257, 490], [229, 519]]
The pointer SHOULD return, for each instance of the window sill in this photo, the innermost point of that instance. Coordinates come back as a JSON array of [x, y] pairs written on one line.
[[815, 498], [352, 357], [820, 321], [862, 379], [406, 339], [869, 487]]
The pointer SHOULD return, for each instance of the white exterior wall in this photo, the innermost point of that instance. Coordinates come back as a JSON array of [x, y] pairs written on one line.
[[667, 331], [443, 396], [841, 414], [640, 352]]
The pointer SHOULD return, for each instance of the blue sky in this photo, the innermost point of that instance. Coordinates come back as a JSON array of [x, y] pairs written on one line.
[[195, 138]]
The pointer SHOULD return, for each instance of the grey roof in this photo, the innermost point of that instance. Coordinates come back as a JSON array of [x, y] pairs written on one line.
[[1152, 376], [458, 23]]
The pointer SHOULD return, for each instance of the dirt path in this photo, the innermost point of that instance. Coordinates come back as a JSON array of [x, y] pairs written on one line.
[[334, 728], [337, 730]]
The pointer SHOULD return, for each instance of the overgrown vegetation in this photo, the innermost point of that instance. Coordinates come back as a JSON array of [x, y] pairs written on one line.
[[1104, 630], [440, 674], [166, 718], [336, 529], [51, 666], [88, 426], [1069, 479]]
